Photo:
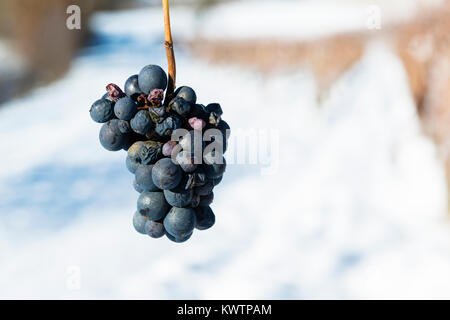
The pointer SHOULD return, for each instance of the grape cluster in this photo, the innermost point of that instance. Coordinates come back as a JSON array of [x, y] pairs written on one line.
[[175, 175]]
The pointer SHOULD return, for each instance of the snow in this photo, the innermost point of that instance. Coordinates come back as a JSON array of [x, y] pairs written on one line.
[[355, 209]]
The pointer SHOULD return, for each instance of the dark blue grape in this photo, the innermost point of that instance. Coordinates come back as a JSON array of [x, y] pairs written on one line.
[[131, 165], [216, 169], [152, 77], [198, 111], [133, 160], [102, 111], [125, 108], [216, 181], [110, 136], [180, 222], [205, 189], [224, 128], [168, 125], [166, 175], [144, 179], [178, 239], [137, 187], [197, 178], [141, 122], [131, 87], [139, 222], [180, 106], [152, 205], [215, 112], [205, 218], [177, 198], [154, 229], [195, 200], [185, 184], [150, 152], [214, 107], [157, 114], [187, 93], [124, 126], [206, 200]]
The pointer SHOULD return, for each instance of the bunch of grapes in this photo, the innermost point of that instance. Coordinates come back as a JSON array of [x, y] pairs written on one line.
[[175, 162]]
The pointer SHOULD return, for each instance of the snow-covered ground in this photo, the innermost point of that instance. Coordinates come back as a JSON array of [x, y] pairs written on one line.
[[356, 209]]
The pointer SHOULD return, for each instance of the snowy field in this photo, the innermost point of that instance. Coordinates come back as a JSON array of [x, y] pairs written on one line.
[[356, 209]]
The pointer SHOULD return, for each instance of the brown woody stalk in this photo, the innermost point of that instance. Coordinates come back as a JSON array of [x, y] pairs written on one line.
[[169, 51]]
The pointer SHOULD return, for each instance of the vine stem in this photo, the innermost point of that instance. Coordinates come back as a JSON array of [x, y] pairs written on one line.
[[168, 43]]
